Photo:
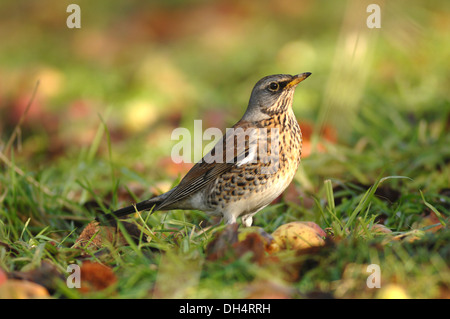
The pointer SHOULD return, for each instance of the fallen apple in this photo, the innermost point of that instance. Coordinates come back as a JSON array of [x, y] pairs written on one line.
[[297, 235]]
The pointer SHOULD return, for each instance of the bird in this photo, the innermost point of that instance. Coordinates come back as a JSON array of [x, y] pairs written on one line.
[[253, 163]]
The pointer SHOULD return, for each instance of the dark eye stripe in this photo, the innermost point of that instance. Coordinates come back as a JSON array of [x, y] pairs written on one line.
[[277, 86], [283, 84]]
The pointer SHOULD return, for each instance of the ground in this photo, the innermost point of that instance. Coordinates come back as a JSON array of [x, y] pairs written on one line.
[[86, 117]]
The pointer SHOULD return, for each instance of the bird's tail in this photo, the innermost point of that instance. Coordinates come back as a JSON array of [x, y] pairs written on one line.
[[145, 205]]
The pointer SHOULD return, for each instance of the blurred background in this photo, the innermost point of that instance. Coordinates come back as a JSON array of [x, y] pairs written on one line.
[[97, 135], [377, 101]]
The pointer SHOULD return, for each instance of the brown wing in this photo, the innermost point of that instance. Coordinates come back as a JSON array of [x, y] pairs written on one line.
[[213, 164]]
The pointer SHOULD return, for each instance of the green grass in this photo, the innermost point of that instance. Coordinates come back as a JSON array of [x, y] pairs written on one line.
[[39, 227], [389, 162]]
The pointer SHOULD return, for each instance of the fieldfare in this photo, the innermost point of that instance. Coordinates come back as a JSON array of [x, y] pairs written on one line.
[[249, 167]]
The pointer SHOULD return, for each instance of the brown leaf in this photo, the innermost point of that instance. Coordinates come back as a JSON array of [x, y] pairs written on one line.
[[252, 243], [265, 237], [222, 242], [96, 276], [95, 235], [230, 244], [429, 220]]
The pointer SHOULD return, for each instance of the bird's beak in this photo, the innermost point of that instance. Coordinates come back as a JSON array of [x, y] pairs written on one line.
[[297, 79]]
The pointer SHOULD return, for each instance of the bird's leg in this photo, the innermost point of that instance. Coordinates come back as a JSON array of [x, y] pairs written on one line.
[[204, 230], [247, 220], [229, 218]]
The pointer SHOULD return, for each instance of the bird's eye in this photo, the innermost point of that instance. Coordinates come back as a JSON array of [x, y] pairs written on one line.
[[274, 86]]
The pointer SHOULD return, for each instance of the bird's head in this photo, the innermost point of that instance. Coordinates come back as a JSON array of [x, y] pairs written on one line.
[[272, 95]]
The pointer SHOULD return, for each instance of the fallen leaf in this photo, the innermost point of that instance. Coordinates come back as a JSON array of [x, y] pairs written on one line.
[[428, 221], [222, 242], [265, 237], [254, 244], [231, 244], [96, 276], [95, 236]]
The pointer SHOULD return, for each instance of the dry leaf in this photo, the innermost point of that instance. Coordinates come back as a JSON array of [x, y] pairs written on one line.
[[253, 243], [222, 242], [95, 276], [231, 244], [95, 236], [429, 220], [265, 237]]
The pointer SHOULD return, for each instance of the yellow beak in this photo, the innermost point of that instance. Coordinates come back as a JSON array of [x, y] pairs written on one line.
[[297, 79]]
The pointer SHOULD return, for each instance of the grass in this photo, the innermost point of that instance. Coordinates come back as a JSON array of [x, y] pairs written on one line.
[[41, 229], [387, 161]]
